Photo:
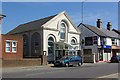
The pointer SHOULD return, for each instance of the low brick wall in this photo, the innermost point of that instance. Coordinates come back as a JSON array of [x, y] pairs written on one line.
[[21, 63], [88, 59]]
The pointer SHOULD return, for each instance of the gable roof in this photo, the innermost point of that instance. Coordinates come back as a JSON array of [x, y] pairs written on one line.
[[33, 25], [37, 24], [110, 33], [101, 32], [72, 22], [95, 30], [117, 31]]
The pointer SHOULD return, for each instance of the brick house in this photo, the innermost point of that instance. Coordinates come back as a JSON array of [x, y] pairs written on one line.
[[11, 49], [43, 41]]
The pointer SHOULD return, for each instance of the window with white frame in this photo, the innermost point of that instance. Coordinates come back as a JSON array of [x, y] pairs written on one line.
[[14, 46], [8, 44], [73, 41], [113, 42], [63, 30], [11, 46]]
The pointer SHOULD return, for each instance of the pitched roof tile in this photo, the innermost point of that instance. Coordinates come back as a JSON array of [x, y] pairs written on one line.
[[33, 25]]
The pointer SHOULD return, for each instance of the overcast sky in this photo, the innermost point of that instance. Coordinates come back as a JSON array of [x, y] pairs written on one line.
[[21, 12]]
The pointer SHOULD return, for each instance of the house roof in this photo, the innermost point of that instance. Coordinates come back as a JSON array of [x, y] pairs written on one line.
[[117, 31], [101, 32], [72, 22], [33, 25], [95, 30], [110, 33]]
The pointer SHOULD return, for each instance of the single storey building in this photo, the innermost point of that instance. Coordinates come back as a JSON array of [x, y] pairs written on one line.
[[43, 40]]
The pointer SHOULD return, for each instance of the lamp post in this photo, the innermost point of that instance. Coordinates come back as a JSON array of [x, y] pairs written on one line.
[[1, 17]]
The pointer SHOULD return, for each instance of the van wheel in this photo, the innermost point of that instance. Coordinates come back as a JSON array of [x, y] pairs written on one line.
[[67, 64], [79, 64]]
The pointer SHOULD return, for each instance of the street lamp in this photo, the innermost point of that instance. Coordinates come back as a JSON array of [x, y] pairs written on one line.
[[1, 17]]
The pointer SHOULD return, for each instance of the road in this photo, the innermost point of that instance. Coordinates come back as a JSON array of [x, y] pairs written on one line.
[[99, 70]]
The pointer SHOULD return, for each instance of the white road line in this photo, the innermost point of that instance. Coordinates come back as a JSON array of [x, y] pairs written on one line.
[[115, 75]]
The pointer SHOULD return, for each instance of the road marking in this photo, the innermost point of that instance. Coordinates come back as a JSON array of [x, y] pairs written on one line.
[[115, 75]]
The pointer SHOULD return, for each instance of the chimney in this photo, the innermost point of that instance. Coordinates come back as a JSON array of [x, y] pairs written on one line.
[[99, 23], [109, 26]]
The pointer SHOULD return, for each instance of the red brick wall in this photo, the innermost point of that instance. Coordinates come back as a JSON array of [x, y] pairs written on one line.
[[12, 56]]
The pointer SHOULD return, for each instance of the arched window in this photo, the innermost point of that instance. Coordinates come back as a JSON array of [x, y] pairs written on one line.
[[51, 48], [25, 46], [62, 30], [50, 39], [50, 45], [73, 41], [35, 45]]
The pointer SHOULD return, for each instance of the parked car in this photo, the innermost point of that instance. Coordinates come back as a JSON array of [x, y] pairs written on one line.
[[115, 59], [69, 60]]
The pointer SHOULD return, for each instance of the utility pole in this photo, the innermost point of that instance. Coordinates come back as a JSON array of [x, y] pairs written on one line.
[[82, 11]]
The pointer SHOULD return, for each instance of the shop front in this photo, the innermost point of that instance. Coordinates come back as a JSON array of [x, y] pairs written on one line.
[[115, 50]]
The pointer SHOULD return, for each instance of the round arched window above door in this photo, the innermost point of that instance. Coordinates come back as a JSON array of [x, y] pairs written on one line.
[[73, 41]]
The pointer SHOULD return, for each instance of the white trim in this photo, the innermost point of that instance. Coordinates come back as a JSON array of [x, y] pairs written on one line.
[[74, 38], [14, 47], [54, 38], [53, 19], [58, 15], [11, 46], [66, 30], [11, 41], [7, 47]]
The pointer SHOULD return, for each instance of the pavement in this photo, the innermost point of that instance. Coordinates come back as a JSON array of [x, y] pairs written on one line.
[[42, 67], [11, 69]]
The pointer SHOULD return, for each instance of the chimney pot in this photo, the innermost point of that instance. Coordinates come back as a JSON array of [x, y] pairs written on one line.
[[99, 23], [109, 26]]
